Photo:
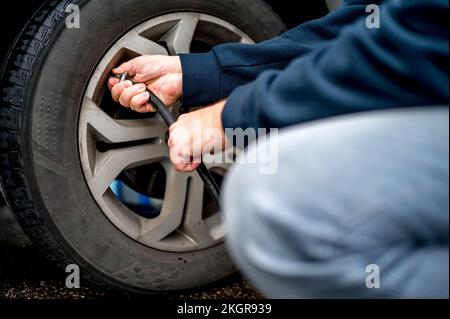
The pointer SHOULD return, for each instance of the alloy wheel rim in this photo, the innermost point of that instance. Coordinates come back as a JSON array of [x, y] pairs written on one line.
[[181, 224]]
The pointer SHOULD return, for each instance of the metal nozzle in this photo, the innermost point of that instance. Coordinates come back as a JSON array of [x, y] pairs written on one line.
[[123, 76]]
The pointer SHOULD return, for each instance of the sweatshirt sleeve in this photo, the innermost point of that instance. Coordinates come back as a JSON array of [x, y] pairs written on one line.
[[402, 63], [209, 77]]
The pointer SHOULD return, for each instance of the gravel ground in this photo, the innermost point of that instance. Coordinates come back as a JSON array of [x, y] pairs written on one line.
[[24, 274]]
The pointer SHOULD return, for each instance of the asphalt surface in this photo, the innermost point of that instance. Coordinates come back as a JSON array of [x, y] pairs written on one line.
[[24, 274]]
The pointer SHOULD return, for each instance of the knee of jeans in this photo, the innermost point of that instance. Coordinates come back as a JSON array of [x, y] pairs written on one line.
[[271, 240], [286, 215], [264, 227]]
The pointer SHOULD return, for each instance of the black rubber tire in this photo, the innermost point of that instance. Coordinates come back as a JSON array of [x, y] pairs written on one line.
[[42, 86]]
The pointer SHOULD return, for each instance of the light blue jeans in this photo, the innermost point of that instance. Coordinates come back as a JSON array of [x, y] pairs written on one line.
[[350, 191]]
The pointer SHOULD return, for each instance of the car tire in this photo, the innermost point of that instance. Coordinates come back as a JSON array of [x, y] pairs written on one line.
[[43, 84]]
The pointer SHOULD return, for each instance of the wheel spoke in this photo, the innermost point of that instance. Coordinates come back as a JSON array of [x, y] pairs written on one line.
[[120, 131], [245, 40], [110, 164], [137, 43], [172, 210], [179, 38], [193, 224]]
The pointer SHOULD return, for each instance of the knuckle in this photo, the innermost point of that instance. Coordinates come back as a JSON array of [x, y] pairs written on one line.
[[123, 100], [134, 103], [172, 128]]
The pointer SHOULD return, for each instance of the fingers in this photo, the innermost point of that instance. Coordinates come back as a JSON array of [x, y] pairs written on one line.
[[186, 167], [129, 67], [195, 134], [183, 153], [179, 145], [118, 88], [112, 82], [131, 96], [156, 72], [139, 103], [143, 68], [129, 92]]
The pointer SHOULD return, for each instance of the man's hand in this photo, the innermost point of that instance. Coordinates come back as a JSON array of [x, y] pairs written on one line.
[[159, 73], [195, 134]]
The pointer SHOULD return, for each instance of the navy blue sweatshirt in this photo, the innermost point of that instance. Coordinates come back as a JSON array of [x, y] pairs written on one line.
[[327, 67]]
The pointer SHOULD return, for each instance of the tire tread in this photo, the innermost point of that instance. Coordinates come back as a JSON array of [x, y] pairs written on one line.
[[15, 78]]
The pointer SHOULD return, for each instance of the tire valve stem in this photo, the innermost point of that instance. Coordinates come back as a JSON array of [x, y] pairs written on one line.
[[123, 76]]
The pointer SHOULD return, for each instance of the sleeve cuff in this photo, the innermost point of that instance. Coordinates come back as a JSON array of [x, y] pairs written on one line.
[[201, 79]]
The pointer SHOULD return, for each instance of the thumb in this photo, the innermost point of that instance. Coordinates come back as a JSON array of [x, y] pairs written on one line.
[[128, 67]]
